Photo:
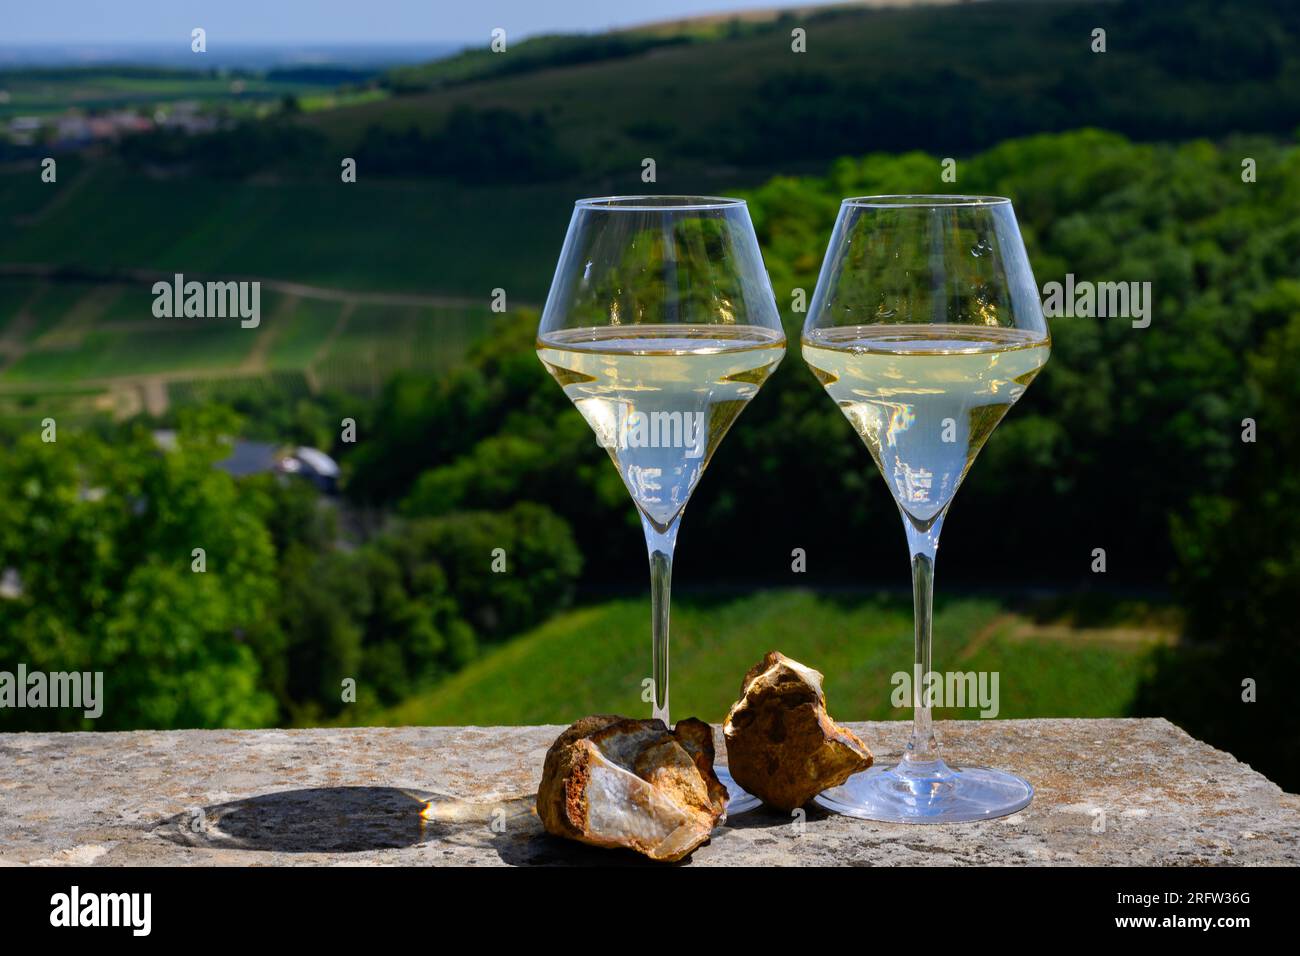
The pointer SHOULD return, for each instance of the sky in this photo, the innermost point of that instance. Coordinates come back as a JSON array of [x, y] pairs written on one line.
[[110, 22]]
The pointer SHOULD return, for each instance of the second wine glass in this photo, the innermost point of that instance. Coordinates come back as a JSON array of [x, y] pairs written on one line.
[[926, 327], [660, 326]]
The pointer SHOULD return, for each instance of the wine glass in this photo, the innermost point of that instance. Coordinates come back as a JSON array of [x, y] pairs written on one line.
[[661, 325], [926, 326]]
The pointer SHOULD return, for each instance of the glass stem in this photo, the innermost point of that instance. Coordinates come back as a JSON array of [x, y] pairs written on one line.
[[660, 545], [922, 542]]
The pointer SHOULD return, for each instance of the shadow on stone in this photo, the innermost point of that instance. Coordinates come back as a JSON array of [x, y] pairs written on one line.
[[340, 820], [531, 845], [524, 842], [357, 819], [765, 818]]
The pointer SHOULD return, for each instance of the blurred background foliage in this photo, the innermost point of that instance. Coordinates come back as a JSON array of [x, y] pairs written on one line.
[[1123, 167]]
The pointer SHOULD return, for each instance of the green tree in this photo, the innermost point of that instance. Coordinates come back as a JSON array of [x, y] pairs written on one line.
[[508, 570], [101, 538], [1238, 575]]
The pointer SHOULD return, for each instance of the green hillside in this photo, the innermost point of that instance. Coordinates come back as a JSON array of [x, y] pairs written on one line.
[[592, 660], [386, 235], [96, 347], [467, 186], [945, 77]]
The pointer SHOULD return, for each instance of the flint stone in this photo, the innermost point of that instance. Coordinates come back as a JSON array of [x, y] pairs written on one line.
[[617, 782], [782, 746]]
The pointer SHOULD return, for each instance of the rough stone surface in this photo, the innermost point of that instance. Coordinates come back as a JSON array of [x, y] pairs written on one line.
[[1108, 792]]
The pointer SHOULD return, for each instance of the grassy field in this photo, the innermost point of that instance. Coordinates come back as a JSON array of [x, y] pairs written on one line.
[[593, 660], [100, 355], [376, 341], [97, 347], [372, 235], [50, 91]]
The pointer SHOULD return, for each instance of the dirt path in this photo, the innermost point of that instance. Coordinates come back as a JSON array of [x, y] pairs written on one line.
[[256, 360], [60, 198], [155, 396], [13, 344], [341, 323]]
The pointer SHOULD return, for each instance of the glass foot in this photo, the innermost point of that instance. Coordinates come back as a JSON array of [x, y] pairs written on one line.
[[738, 800], [930, 792]]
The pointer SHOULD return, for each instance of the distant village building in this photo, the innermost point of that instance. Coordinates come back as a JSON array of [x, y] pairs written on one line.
[[260, 458], [75, 129], [11, 585], [314, 465], [23, 130], [250, 458], [187, 116]]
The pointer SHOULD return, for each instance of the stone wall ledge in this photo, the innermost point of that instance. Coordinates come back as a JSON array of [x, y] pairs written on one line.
[[1113, 791]]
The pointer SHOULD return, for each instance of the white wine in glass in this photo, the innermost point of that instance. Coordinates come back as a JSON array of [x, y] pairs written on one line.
[[926, 327], [660, 327], [894, 383], [660, 398]]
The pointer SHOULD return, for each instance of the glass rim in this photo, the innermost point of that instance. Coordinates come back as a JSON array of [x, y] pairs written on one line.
[[923, 201], [652, 203]]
